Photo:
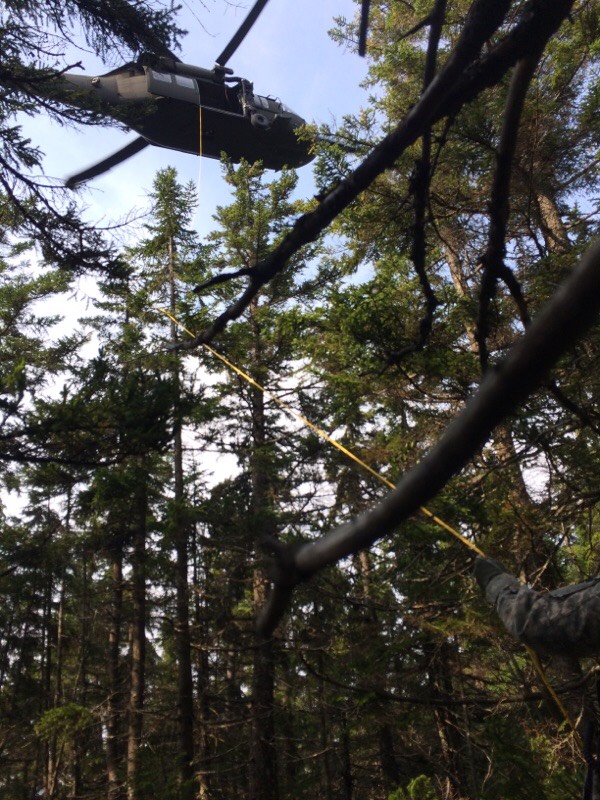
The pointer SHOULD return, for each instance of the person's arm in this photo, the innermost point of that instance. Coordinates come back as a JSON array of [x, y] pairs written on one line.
[[563, 622]]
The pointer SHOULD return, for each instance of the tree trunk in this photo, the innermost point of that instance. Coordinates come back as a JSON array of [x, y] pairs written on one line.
[[387, 758], [138, 643], [323, 727], [46, 669], [185, 703], [54, 752], [461, 286], [451, 738], [263, 771], [347, 777], [390, 774], [185, 691], [202, 685], [115, 689], [553, 228]]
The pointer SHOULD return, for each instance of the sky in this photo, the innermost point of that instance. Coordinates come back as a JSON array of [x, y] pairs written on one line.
[[288, 54]]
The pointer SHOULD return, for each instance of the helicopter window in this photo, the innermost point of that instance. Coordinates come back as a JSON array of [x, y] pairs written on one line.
[[182, 80], [261, 101], [161, 76]]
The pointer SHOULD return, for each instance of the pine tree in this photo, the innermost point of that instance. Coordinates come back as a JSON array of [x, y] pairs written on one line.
[[166, 250], [36, 40], [438, 304], [264, 345]]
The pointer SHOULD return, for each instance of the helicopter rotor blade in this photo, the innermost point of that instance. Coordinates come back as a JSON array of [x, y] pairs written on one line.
[[364, 26], [107, 163], [241, 32]]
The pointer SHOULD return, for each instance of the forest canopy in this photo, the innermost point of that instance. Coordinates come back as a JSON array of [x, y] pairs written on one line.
[[205, 596]]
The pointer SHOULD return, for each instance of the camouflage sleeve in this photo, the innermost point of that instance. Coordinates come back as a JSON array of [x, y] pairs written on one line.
[[564, 622]]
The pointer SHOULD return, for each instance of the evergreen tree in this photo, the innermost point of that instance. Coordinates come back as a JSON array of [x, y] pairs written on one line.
[[167, 251], [404, 348], [264, 344], [130, 582], [36, 45]]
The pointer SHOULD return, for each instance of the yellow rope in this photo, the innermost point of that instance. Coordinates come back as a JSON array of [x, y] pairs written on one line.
[[537, 665], [324, 435], [199, 151], [532, 654]]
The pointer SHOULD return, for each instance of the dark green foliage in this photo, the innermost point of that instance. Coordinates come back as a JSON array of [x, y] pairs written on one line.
[[154, 482], [36, 45]]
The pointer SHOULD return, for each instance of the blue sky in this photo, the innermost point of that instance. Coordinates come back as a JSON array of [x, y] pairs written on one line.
[[287, 54]]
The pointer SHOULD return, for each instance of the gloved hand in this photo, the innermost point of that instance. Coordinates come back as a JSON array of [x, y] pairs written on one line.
[[485, 569]]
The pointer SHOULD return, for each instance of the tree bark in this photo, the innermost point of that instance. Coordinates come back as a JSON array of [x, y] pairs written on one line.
[[46, 670], [458, 781], [185, 703], [263, 772], [553, 228], [323, 727], [115, 689], [202, 685], [461, 286], [347, 776], [138, 642]]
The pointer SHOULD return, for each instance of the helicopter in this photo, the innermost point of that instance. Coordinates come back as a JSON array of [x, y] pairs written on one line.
[[194, 110]]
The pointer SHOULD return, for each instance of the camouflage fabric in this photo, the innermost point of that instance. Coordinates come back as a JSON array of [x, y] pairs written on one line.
[[564, 622]]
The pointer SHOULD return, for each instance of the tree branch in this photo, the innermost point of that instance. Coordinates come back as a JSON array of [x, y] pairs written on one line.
[[421, 184], [499, 206], [463, 77], [567, 315]]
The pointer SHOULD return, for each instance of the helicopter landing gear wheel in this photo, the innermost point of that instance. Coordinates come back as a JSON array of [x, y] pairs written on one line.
[[260, 121]]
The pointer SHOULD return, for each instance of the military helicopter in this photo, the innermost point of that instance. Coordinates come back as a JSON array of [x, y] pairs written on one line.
[[195, 110]]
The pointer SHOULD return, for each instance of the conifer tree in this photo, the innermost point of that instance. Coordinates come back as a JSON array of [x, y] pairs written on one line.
[[264, 345], [37, 43], [168, 251]]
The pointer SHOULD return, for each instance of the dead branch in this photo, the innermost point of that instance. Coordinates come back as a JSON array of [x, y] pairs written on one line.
[[566, 316], [464, 76], [421, 183], [494, 266]]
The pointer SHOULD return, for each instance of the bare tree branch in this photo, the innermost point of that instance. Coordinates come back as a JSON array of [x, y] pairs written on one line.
[[464, 76], [364, 27], [421, 182], [499, 207], [567, 315]]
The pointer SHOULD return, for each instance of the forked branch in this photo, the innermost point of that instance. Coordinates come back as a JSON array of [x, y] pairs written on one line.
[[566, 316], [464, 76]]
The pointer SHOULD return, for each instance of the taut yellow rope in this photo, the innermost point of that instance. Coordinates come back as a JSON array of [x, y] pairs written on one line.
[[532, 654]]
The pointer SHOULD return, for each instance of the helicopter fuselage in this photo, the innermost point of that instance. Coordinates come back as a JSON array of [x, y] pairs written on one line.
[[200, 111]]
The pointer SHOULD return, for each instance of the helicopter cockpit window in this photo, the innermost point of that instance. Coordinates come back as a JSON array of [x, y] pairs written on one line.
[[173, 86], [261, 102]]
